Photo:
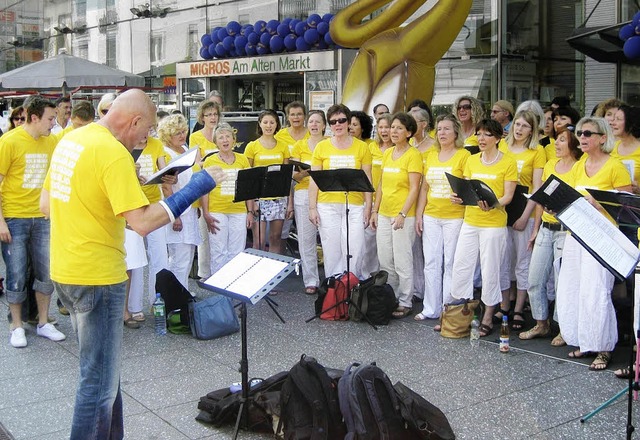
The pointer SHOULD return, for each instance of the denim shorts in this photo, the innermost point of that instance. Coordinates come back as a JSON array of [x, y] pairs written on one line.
[[29, 245]]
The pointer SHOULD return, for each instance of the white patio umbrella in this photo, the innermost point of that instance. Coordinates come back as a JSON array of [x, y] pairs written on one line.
[[67, 71]]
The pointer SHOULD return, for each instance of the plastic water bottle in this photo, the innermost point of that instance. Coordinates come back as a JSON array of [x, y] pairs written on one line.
[[474, 337], [159, 316], [504, 335]]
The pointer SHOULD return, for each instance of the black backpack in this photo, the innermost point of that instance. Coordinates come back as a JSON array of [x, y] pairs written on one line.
[[220, 407], [424, 420], [369, 404], [375, 299], [309, 403]]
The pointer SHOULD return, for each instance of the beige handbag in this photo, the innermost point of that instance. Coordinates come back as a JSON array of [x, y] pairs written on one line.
[[455, 321]]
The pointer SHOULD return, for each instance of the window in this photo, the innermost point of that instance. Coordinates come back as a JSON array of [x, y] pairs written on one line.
[[157, 47]]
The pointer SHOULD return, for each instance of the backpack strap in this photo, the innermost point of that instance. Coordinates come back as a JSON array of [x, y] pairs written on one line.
[[344, 392], [309, 389], [372, 396]]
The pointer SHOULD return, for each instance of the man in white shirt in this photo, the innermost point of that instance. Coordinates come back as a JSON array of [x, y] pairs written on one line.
[[63, 114]]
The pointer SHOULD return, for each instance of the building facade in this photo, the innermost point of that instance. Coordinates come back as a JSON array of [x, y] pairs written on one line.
[[507, 49]]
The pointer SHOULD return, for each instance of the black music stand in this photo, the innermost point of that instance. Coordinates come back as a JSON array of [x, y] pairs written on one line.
[[263, 182], [249, 277], [343, 180]]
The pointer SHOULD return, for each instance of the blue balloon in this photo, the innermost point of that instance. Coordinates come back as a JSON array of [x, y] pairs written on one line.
[[290, 42], [222, 34], [636, 19], [233, 28], [313, 20], [287, 21], [637, 30], [250, 49], [272, 26], [212, 50], [328, 39], [322, 28], [292, 25], [301, 28], [283, 30], [311, 36], [253, 38], [261, 49], [626, 32], [227, 43], [264, 39], [322, 44], [246, 30], [240, 42], [214, 32], [632, 48], [276, 44], [220, 50], [204, 53], [302, 45], [205, 39], [259, 26], [327, 18]]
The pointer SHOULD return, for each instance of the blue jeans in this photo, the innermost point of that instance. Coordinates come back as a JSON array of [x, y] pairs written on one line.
[[96, 315], [29, 242], [547, 249]]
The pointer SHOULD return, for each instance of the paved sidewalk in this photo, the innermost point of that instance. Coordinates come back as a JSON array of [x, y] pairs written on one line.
[[485, 394]]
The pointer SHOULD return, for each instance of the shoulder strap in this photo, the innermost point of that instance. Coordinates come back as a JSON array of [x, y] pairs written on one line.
[[373, 374]]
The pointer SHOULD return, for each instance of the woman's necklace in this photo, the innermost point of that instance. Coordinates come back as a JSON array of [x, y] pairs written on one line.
[[228, 160], [495, 159]]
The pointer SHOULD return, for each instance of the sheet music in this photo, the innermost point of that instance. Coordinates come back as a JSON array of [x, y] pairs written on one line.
[[246, 274], [601, 236]]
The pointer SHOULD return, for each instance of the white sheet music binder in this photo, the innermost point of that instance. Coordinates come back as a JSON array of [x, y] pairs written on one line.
[[250, 275]]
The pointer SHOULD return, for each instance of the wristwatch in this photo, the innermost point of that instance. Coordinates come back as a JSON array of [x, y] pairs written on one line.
[[402, 214]]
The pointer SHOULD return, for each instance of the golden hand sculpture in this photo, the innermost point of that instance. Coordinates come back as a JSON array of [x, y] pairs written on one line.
[[395, 65]]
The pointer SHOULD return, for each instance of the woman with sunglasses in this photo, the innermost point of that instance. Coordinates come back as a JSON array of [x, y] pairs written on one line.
[[484, 227], [307, 231], [438, 221], [548, 239], [327, 209], [17, 118], [522, 144], [264, 151], [585, 312], [469, 112], [382, 143], [394, 213]]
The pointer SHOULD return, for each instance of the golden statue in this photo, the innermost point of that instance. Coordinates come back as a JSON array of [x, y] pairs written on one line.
[[395, 65]]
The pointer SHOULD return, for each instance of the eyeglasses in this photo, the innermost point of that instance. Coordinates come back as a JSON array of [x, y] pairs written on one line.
[[520, 125], [208, 115], [337, 121], [464, 106], [22, 119], [493, 111], [587, 133], [483, 134]]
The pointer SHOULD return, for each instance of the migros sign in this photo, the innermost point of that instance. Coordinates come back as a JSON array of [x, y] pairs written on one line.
[[293, 62]]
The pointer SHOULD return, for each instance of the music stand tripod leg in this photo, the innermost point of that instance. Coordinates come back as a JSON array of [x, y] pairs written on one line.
[[241, 419]]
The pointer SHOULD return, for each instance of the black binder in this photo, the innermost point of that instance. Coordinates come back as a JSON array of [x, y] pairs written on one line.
[[472, 191]]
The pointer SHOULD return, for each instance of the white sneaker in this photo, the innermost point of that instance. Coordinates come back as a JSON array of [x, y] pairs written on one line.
[[50, 332], [18, 339]]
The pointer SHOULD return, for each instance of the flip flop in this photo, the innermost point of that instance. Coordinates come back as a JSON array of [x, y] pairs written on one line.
[[419, 317], [577, 354], [138, 316], [401, 312], [485, 330], [131, 323]]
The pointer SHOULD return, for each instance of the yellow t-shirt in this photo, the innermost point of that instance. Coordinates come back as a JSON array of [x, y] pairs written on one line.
[[613, 174], [376, 164], [527, 161], [302, 153], [438, 198], [630, 161], [549, 170], [221, 198], [471, 141], [495, 175], [24, 162], [205, 146], [262, 156], [92, 181], [148, 161], [328, 157], [550, 149], [395, 181], [285, 137]]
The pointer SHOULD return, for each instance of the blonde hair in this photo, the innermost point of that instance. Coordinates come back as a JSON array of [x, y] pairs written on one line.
[[223, 126], [106, 100], [477, 111], [533, 139], [386, 117], [457, 128], [170, 126], [206, 105]]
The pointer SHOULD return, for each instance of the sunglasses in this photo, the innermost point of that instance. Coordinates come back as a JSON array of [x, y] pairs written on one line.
[[19, 119], [587, 133], [337, 121], [464, 106]]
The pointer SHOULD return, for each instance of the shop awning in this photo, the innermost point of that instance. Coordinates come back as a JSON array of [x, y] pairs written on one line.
[[600, 43]]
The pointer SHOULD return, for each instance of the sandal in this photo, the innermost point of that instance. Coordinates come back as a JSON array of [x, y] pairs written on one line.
[[485, 330], [437, 328], [577, 354], [601, 361], [558, 341], [498, 319], [131, 323], [311, 290], [419, 317], [138, 316], [536, 332], [624, 373], [401, 312], [517, 324]]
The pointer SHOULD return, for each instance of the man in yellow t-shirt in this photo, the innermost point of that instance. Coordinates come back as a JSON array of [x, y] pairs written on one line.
[[90, 191], [25, 153]]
